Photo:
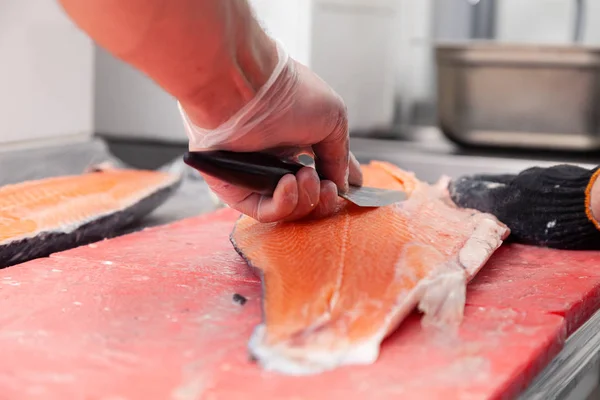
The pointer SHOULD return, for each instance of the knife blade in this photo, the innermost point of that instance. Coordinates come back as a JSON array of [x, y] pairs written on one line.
[[261, 172]]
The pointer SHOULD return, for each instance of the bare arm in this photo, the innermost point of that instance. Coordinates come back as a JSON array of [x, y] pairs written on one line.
[[212, 55]]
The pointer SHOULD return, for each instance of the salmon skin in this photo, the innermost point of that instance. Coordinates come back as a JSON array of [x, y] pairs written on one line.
[[335, 287], [44, 216]]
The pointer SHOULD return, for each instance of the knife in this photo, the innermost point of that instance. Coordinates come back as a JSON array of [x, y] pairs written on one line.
[[261, 172]]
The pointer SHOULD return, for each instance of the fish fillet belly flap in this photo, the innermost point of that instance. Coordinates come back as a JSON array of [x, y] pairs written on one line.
[[335, 287], [54, 214]]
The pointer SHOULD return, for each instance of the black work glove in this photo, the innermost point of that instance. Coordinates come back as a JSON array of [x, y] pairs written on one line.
[[542, 206]]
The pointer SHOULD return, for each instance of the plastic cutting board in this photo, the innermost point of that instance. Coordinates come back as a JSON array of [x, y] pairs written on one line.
[[151, 316]]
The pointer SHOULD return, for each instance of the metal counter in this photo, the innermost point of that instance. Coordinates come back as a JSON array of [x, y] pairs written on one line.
[[575, 371], [573, 374]]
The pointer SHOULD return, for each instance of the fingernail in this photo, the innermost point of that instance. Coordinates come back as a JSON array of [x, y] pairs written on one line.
[[331, 204], [288, 190]]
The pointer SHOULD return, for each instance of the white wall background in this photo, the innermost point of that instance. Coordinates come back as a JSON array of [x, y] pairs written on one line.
[[354, 48], [290, 22], [128, 104], [591, 32], [535, 21], [414, 65], [546, 21], [46, 75]]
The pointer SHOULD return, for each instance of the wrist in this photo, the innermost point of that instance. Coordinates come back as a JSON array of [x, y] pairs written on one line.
[[246, 65]]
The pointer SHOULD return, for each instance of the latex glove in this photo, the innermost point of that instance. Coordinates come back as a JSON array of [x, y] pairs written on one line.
[[548, 207], [294, 112]]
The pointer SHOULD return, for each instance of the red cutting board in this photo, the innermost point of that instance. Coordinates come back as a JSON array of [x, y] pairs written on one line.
[[151, 316]]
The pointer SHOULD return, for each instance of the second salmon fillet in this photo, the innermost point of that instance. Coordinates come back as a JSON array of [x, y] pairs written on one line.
[[335, 287]]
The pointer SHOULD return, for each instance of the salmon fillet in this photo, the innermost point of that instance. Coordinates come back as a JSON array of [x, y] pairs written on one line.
[[334, 288], [48, 215]]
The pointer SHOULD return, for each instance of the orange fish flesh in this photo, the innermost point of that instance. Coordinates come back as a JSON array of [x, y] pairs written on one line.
[[334, 288], [48, 215]]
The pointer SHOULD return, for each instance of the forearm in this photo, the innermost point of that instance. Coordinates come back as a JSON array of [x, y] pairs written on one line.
[[211, 55]]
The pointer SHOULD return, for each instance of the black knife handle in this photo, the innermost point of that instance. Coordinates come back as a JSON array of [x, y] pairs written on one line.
[[255, 171]]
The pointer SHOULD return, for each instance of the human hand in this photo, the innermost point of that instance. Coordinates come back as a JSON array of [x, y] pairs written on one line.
[[295, 113], [549, 207]]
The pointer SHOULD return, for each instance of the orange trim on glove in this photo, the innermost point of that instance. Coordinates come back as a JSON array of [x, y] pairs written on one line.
[[588, 199]]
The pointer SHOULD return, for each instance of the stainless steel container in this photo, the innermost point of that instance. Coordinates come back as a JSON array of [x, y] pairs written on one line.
[[534, 96]]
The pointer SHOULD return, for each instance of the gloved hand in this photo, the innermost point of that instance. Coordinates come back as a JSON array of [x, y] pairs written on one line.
[[294, 112], [550, 207]]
